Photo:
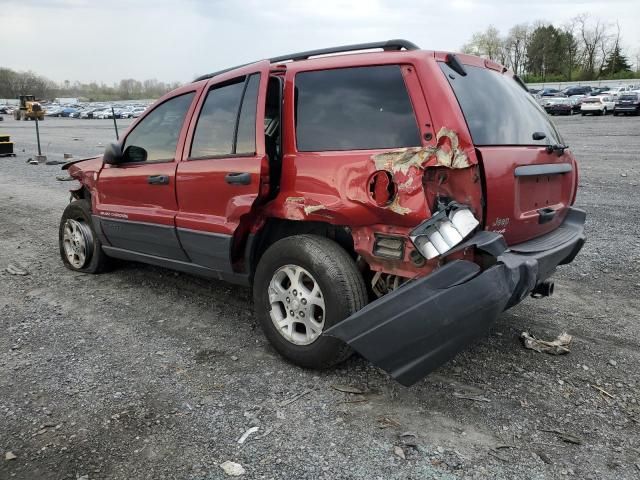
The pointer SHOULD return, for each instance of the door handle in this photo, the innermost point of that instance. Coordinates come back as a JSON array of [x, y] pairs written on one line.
[[238, 178], [158, 180]]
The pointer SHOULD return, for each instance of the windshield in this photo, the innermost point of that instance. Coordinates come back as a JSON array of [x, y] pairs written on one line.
[[498, 110]]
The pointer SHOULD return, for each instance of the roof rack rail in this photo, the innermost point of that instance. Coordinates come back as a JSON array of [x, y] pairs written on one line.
[[397, 44], [386, 45]]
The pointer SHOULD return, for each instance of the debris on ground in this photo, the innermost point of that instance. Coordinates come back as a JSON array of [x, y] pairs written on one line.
[[15, 269], [409, 439], [64, 178], [475, 398], [564, 436], [603, 391], [348, 389], [56, 162], [232, 469], [9, 456], [399, 452], [289, 401], [386, 422], [559, 346], [246, 434]]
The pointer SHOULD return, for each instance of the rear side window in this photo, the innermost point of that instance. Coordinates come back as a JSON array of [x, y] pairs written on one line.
[[354, 109], [498, 110], [227, 121]]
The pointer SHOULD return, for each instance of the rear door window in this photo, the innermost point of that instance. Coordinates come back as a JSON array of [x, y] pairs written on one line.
[[354, 109], [498, 110], [227, 121]]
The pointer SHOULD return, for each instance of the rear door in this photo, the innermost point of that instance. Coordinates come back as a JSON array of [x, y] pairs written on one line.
[[529, 185], [223, 166], [136, 202]]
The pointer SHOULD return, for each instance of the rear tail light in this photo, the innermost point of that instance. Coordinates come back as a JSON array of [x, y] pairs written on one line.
[[443, 231]]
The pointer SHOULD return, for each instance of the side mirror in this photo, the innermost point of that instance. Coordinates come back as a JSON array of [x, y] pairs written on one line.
[[135, 154], [112, 154]]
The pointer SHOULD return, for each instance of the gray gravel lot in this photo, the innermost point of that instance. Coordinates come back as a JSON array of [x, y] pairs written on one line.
[[147, 373]]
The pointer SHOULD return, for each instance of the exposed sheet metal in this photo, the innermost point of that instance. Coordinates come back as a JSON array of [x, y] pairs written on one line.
[[446, 153]]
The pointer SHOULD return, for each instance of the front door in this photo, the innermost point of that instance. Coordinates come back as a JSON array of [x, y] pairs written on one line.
[[223, 167], [136, 203]]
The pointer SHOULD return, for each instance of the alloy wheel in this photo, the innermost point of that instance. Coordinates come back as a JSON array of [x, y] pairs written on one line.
[[77, 242], [297, 305]]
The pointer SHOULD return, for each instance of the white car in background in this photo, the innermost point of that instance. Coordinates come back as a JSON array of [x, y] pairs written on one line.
[[614, 92], [600, 105]]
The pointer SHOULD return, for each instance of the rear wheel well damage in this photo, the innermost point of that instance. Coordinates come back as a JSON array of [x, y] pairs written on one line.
[[276, 229]]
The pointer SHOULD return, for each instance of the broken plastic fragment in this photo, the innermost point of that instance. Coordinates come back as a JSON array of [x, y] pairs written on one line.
[[559, 346]]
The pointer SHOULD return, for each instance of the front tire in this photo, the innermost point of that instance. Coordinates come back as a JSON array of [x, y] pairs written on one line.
[[303, 285], [80, 247]]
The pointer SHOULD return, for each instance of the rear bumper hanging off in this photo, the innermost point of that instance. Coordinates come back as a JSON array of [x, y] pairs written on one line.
[[418, 327]]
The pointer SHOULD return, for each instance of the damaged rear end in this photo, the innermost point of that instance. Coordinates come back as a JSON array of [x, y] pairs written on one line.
[[499, 184]]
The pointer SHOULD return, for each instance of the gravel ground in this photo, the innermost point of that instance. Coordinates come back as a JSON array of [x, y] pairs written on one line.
[[147, 373]]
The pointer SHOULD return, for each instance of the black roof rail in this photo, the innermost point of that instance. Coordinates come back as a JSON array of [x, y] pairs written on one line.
[[397, 44], [386, 45]]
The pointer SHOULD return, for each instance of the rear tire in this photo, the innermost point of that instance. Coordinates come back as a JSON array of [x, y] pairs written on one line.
[[303, 285], [80, 247]]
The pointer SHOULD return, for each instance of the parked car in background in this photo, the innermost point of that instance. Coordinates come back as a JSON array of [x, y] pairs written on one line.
[[576, 102], [571, 91], [52, 111], [617, 91], [558, 105], [628, 103], [88, 113], [550, 92], [600, 105], [137, 112], [103, 113]]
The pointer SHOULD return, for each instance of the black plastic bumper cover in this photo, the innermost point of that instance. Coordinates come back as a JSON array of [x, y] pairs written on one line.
[[418, 327]]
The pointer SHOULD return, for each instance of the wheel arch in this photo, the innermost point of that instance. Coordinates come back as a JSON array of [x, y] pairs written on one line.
[[275, 229]]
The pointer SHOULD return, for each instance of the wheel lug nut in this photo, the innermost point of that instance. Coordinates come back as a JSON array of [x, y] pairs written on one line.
[[304, 301], [295, 292], [301, 314], [291, 312], [288, 300]]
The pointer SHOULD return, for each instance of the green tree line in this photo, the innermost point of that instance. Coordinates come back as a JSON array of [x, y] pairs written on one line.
[[13, 83], [584, 48]]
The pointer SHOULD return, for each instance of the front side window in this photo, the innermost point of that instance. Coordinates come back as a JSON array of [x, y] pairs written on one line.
[[357, 108], [156, 136], [227, 121]]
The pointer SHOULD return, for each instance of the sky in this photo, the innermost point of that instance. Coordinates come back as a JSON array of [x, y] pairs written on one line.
[[176, 40]]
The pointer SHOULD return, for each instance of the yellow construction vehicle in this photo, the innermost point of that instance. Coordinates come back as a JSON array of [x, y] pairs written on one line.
[[29, 109]]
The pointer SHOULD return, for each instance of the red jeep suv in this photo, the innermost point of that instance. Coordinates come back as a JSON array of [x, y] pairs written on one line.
[[392, 201]]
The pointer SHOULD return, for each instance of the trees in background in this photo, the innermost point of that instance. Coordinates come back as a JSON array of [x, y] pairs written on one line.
[[586, 48], [14, 83]]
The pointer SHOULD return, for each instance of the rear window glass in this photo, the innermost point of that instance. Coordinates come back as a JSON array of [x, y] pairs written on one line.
[[498, 110], [628, 97], [354, 109]]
